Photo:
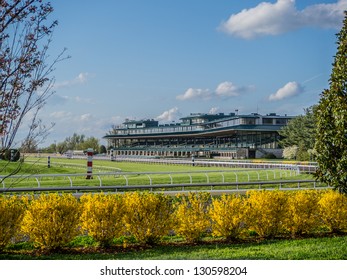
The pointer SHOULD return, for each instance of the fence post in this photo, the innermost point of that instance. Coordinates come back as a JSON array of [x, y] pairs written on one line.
[[112, 155], [89, 163]]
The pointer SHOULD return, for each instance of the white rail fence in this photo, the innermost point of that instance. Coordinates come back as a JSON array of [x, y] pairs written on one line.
[[147, 178], [213, 188]]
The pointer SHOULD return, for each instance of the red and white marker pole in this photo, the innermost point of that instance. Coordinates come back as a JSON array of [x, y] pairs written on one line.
[[89, 163]]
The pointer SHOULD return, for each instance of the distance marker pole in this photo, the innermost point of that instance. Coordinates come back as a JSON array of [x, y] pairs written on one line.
[[89, 163]]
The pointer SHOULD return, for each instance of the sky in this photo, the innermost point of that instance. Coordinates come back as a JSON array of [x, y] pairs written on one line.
[[165, 59]]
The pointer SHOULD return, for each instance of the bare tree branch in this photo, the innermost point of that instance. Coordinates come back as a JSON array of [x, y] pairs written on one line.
[[26, 80]]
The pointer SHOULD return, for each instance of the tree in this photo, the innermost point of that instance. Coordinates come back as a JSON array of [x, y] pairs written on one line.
[[103, 149], [76, 142], [90, 142], [73, 142], [331, 115], [25, 75], [300, 131], [290, 152], [29, 145]]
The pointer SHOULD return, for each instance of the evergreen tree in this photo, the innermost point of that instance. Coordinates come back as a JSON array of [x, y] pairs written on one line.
[[331, 115], [300, 131]]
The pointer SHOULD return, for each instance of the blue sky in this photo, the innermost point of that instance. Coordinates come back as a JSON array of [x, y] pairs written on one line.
[[165, 59]]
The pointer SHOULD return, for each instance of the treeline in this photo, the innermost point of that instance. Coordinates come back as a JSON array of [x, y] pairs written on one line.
[[76, 142]]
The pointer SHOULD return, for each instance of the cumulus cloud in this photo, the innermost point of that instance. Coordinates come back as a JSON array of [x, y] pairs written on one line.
[[289, 90], [195, 93], [223, 90], [169, 115], [283, 16], [228, 89]]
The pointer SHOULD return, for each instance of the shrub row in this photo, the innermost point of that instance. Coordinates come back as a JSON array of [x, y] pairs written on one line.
[[53, 220]]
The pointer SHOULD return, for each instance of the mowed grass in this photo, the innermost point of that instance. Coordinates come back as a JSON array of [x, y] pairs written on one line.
[[178, 173], [323, 248]]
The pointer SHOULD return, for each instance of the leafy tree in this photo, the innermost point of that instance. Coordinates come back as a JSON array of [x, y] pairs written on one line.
[[73, 142], [61, 147], [103, 149], [90, 142], [50, 149], [300, 131], [25, 75], [331, 136]]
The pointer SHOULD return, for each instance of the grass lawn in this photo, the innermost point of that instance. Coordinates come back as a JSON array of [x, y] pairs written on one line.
[[179, 173], [319, 248]]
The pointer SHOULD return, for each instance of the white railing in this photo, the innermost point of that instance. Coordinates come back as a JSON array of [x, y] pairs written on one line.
[[148, 178], [213, 188]]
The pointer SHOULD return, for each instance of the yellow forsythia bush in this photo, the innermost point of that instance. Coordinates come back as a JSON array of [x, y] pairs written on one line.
[[192, 216], [11, 214], [52, 220], [266, 211], [303, 213], [148, 216], [228, 216], [102, 217], [333, 210]]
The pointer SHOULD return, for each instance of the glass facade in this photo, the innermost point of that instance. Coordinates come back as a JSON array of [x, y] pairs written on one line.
[[199, 133]]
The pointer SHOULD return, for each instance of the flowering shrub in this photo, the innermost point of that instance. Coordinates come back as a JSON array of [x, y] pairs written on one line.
[[192, 216], [333, 210], [303, 213], [266, 211], [228, 216], [102, 217], [290, 152], [52, 220], [11, 214], [147, 216]]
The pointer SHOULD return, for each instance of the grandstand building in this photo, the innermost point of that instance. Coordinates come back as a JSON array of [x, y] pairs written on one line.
[[200, 135]]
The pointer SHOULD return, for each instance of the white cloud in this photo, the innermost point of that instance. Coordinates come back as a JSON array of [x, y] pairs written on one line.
[[324, 15], [169, 115], [195, 93], [283, 16], [214, 110], [289, 90], [224, 90], [228, 89], [81, 78]]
